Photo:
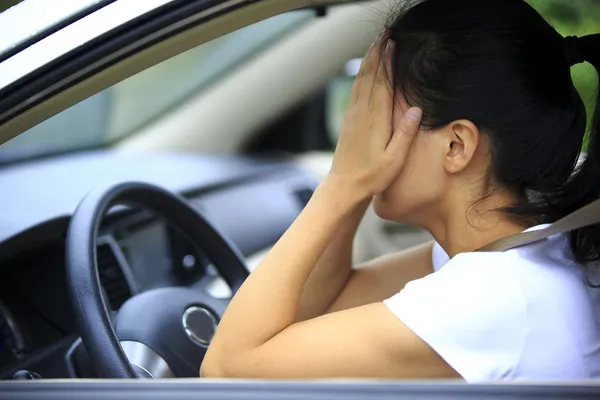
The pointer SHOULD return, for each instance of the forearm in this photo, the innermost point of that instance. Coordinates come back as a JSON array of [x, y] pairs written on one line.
[[369, 156], [268, 301], [332, 271]]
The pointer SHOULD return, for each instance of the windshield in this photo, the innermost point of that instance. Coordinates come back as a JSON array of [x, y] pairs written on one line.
[[120, 110], [28, 18]]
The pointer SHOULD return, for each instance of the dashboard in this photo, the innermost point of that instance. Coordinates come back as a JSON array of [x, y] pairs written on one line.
[[251, 201]]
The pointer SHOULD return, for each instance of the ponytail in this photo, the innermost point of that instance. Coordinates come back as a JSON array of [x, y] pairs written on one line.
[[584, 185]]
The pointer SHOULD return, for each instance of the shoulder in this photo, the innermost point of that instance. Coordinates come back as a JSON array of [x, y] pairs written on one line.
[[472, 312], [481, 284], [503, 315]]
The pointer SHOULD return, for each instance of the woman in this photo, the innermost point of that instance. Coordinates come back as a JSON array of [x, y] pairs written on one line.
[[477, 141]]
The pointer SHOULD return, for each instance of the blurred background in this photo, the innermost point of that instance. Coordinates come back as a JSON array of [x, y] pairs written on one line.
[[4, 4], [278, 87]]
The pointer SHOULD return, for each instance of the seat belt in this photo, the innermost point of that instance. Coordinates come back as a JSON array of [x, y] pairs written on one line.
[[585, 216]]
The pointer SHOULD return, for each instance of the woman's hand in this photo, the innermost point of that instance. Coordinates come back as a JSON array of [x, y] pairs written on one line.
[[371, 151]]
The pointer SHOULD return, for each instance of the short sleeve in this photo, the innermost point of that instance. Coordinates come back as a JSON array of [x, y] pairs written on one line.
[[471, 313], [439, 257]]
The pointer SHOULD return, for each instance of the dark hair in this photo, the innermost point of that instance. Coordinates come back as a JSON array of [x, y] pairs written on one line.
[[499, 64]]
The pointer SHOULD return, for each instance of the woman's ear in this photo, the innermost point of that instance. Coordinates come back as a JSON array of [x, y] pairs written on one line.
[[463, 138]]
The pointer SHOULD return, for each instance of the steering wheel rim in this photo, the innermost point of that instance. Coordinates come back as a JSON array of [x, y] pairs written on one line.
[[92, 315]]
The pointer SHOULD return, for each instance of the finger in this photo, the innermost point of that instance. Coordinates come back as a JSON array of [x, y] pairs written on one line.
[[404, 134], [368, 70], [355, 95], [381, 92]]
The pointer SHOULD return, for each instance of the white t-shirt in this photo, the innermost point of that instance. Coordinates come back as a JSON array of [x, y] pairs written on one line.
[[523, 314]]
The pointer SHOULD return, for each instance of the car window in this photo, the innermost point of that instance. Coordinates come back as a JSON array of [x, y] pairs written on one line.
[[136, 101]]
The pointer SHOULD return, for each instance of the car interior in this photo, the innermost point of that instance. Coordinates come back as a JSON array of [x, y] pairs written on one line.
[[248, 139], [240, 125]]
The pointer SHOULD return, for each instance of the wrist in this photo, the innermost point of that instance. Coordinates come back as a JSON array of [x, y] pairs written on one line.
[[341, 194]]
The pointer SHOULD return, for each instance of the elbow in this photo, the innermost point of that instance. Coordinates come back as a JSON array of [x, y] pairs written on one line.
[[213, 366], [220, 365], [211, 371]]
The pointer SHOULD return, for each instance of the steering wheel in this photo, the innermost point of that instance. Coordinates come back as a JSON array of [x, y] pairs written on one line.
[[160, 333]]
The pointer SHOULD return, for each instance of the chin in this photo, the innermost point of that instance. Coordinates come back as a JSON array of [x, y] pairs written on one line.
[[396, 210], [386, 209], [381, 212]]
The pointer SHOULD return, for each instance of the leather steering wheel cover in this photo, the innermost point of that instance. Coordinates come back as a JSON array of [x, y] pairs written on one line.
[[91, 313]]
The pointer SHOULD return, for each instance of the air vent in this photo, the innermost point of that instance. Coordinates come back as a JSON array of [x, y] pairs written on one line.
[[112, 277], [304, 196]]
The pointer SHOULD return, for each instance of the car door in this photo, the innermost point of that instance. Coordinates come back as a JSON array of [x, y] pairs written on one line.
[[36, 83]]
